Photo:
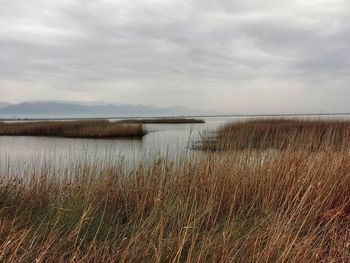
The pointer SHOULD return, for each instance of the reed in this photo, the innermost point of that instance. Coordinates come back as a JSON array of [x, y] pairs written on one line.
[[280, 134], [163, 120], [248, 205], [72, 129]]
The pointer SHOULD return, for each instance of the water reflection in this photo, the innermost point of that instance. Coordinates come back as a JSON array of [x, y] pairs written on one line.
[[170, 141]]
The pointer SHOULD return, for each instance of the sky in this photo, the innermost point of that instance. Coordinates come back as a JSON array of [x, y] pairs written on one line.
[[267, 56]]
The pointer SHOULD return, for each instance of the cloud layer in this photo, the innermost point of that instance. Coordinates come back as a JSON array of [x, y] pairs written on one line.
[[253, 56]]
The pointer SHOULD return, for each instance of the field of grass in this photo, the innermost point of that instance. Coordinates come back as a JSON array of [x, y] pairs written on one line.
[[72, 129], [245, 204], [163, 120], [281, 134]]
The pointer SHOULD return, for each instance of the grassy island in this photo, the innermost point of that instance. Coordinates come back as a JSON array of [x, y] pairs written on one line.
[[163, 120], [72, 129]]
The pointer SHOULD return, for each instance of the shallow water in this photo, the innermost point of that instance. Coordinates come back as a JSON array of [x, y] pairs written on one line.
[[167, 141], [170, 141]]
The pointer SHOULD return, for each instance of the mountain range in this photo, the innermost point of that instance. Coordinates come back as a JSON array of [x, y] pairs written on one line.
[[4, 104], [72, 109]]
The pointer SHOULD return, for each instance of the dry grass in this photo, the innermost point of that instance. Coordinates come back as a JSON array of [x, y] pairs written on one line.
[[163, 120], [240, 206], [281, 134], [72, 129]]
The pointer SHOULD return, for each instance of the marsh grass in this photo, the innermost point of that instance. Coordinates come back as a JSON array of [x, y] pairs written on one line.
[[163, 120], [245, 205], [72, 129], [281, 134]]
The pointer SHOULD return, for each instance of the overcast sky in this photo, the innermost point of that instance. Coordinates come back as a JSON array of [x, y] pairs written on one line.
[[231, 56]]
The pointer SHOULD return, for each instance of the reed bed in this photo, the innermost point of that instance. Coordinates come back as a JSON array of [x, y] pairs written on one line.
[[280, 134], [243, 206], [72, 129], [163, 120]]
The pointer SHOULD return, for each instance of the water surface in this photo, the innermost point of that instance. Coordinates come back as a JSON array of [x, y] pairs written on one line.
[[170, 141]]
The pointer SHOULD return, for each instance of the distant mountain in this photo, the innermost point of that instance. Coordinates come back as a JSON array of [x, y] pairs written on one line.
[[62, 109], [4, 104]]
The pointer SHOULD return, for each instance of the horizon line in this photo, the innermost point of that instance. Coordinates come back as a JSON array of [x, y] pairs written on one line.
[[186, 116]]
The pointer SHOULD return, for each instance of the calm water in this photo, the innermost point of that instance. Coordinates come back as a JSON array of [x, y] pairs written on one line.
[[170, 141]]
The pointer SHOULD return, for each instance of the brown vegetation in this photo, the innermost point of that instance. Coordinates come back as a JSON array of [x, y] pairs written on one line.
[[281, 134], [245, 205], [72, 129], [162, 120]]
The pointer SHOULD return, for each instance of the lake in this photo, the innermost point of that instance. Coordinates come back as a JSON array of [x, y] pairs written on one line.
[[168, 141]]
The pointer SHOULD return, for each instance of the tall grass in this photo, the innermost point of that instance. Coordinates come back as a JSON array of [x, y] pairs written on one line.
[[245, 205], [72, 129], [282, 134], [163, 120]]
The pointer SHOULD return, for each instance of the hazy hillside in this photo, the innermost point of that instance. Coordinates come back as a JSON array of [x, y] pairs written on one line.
[[54, 109], [4, 104]]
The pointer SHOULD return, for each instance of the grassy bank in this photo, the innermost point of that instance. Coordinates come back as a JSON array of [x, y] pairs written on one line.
[[245, 205], [72, 129], [281, 134], [163, 120]]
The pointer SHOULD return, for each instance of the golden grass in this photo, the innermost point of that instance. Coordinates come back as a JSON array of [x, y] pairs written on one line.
[[163, 120], [239, 206], [72, 129], [281, 134]]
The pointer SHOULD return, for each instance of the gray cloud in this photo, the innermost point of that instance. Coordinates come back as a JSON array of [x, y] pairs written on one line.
[[233, 56]]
